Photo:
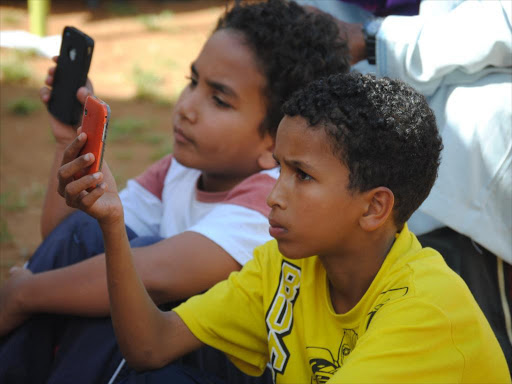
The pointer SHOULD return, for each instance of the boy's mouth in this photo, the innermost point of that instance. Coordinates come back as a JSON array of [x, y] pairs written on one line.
[[180, 137], [276, 230]]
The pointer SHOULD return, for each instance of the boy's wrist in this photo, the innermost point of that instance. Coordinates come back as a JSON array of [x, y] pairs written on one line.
[[112, 223]]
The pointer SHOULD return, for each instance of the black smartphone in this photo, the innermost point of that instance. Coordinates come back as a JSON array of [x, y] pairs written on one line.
[[71, 73]]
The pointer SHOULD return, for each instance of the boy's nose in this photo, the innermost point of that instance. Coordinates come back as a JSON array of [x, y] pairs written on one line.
[[187, 109], [276, 196]]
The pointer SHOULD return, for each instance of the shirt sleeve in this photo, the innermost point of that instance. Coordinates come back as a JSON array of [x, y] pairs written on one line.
[[230, 317], [142, 199], [442, 46], [237, 229]]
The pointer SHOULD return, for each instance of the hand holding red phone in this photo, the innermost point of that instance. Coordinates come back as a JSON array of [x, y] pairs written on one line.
[[95, 194], [80, 181]]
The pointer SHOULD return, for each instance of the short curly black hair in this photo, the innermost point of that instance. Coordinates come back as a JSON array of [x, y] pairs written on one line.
[[381, 129], [292, 47]]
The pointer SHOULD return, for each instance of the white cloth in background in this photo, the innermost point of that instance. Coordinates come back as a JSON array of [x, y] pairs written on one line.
[[459, 55]]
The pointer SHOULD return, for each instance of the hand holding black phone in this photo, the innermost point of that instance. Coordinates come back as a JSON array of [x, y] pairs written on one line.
[[71, 73]]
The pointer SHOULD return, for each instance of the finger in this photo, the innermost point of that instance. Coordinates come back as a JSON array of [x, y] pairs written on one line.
[[49, 80], [44, 94], [88, 200], [14, 270], [82, 94], [74, 200], [77, 190], [66, 173], [79, 130], [55, 58], [50, 76], [73, 149], [88, 84]]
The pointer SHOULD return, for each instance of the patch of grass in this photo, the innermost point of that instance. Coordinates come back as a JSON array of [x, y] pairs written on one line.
[[16, 200], [120, 180], [23, 106], [154, 138], [37, 191], [146, 85], [126, 129], [5, 235], [153, 22], [14, 67], [121, 8], [150, 22], [123, 155], [10, 17], [13, 201], [12, 72], [164, 150]]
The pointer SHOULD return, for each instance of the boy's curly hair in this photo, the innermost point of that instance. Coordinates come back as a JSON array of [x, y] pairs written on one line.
[[381, 129], [292, 46]]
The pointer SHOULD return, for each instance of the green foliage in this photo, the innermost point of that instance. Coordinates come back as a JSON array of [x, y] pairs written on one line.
[[5, 235], [14, 72], [146, 85], [123, 155], [14, 67], [125, 129], [23, 106], [13, 201], [10, 17], [162, 151], [121, 8], [154, 22]]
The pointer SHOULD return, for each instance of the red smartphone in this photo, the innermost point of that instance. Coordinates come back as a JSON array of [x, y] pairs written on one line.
[[94, 123]]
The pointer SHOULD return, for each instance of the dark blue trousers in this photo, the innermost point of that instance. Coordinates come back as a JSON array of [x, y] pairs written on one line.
[[70, 349]]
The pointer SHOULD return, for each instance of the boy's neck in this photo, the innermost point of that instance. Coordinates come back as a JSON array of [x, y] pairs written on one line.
[[351, 274], [218, 183]]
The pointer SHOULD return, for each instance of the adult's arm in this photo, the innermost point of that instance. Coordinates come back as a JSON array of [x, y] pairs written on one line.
[[442, 46]]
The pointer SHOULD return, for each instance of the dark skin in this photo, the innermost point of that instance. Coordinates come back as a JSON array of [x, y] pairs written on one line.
[[312, 184], [352, 32]]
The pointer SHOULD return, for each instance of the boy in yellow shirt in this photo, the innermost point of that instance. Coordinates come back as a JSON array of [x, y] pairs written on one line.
[[346, 293]]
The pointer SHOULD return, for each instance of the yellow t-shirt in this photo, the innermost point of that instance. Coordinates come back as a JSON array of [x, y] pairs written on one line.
[[418, 322]]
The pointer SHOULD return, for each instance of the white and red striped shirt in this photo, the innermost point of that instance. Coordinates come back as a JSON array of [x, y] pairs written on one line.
[[165, 201]]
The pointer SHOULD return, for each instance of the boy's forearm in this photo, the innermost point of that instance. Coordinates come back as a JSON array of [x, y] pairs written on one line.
[[80, 289], [138, 323], [54, 206]]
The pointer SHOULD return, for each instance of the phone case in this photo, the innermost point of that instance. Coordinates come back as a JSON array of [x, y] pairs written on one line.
[[71, 73], [95, 124]]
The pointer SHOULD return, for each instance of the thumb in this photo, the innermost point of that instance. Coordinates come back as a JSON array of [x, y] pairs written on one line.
[[82, 94]]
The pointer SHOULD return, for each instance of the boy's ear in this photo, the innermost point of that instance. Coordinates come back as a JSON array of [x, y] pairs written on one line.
[[380, 202], [266, 160]]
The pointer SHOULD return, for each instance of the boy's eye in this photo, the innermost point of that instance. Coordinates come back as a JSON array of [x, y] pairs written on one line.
[[220, 102], [193, 82], [303, 176]]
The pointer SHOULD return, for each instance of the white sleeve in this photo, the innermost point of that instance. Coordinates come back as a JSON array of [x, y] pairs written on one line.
[[142, 209], [455, 47], [238, 230]]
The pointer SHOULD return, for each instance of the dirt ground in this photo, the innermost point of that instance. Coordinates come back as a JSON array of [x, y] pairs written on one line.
[[142, 54]]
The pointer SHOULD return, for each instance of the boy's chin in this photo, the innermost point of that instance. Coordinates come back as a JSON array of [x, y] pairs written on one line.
[[292, 251]]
